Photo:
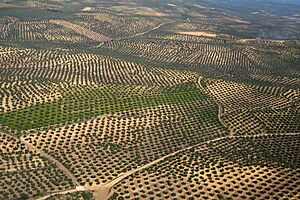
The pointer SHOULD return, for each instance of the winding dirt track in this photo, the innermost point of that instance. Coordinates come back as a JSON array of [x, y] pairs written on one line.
[[145, 32], [220, 112], [138, 34], [103, 192], [58, 164], [61, 192], [43, 154]]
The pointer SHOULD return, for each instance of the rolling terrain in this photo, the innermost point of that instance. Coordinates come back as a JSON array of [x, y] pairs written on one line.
[[195, 99]]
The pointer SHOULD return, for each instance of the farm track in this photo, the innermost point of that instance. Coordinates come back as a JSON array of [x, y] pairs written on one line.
[[86, 110], [145, 32], [77, 189], [220, 109], [58, 164], [138, 34], [43, 154], [103, 192]]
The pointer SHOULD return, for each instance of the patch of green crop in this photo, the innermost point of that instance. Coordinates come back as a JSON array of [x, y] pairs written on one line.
[[71, 6], [82, 105]]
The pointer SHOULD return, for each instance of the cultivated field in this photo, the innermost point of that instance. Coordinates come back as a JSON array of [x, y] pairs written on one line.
[[149, 100], [230, 167]]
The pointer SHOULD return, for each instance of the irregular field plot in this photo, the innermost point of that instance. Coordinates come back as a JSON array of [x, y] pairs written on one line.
[[67, 66], [101, 149], [253, 110], [198, 33], [243, 168], [94, 101], [25, 173], [181, 94]]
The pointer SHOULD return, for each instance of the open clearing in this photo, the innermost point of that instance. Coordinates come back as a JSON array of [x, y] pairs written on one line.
[[237, 20], [87, 9], [139, 10], [81, 30], [197, 33]]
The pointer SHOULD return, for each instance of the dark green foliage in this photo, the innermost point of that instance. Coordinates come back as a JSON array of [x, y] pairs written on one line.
[[78, 106]]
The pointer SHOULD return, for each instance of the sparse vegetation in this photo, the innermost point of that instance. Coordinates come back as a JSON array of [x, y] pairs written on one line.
[[222, 169], [149, 100]]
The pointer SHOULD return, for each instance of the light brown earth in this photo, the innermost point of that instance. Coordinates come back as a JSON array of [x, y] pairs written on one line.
[[251, 40], [238, 20], [104, 192], [77, 189], [201, 6], [139, 10], [197, 33], [81, 30], [87, 9], [58, 164], [172, 5]]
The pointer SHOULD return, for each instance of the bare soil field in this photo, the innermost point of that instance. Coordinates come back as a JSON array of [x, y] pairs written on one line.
[[138, 10], [81, 30], [87, 9], [198, 33]]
